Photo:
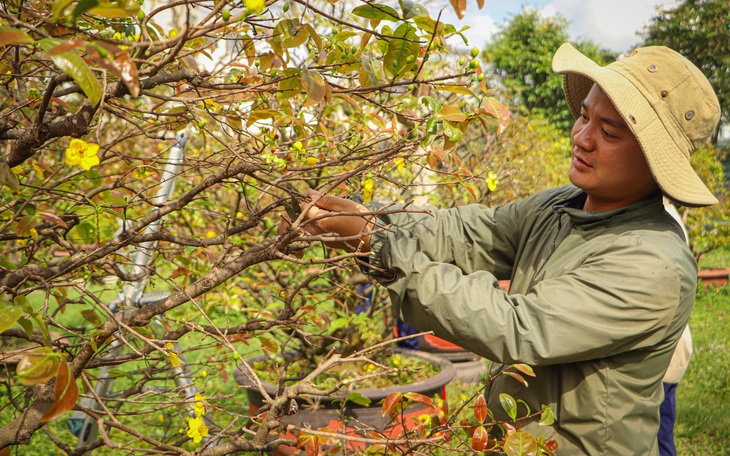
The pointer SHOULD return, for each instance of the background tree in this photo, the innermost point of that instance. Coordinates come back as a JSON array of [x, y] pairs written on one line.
[[521, 55], [698, 29]]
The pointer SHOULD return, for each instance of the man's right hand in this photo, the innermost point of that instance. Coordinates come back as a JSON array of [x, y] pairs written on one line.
[[328, 220]]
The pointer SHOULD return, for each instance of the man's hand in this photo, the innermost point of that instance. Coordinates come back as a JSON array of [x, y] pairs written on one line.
[[326, 212]]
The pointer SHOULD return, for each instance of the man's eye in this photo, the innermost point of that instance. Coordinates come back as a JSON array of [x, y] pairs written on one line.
[[608, 135]]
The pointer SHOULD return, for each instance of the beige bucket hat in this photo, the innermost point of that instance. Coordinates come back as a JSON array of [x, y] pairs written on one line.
[[665, 100]]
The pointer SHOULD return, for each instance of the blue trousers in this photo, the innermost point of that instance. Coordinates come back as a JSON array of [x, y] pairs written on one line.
[[667, 415]]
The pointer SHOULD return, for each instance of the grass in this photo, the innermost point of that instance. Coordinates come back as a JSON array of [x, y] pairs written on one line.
[[703, 396], [716, 259]]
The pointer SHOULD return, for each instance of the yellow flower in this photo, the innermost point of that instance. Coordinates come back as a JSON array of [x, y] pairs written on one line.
[[174, 359], [83, 154], [199, 406], [211, 234], [196, 429], [492, 181], [367, 190], [255, 6], [401, 164], [311, 161]]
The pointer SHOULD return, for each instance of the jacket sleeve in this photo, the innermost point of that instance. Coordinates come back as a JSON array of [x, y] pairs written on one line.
[[472, 237], [619, 299]]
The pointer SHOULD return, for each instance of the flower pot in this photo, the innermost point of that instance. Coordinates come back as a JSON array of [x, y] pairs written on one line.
[[326, 411], [470, 367], [713, 277]]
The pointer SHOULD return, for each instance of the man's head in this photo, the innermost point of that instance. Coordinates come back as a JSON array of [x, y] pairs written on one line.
[[664, 100]]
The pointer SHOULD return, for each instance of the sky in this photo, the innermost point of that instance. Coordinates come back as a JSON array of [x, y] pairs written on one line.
[[611, 24]]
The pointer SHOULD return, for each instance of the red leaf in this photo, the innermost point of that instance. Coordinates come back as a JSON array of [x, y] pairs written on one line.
[[65, 394], [390, 402], [517, 377], [65, 47], [121, 64], [53, 218], [480, 409], [423, 400], [525, 369], [479, 439]]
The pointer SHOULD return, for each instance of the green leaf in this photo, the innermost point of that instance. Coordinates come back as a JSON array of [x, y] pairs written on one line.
[[74, 66], [371, 73], [315, 86], [58, 8], [124, 8], [37, 366], [83, 6], [358, 399], [376, 12], [338, 323], [547, 418], [454, 89], [9, 314], [452, 132], [395, 61], [10, 35], [27, 326], [412, 9], [509, 405], [8, 178], [290, 83]]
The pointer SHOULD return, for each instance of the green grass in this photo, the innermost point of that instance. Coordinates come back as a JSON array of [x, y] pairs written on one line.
[[716, 259], [703, 396]]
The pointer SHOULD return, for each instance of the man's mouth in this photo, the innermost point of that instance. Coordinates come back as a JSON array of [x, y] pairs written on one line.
[[579, 163]]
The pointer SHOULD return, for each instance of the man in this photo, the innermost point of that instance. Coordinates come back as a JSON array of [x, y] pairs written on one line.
[[602, 281]]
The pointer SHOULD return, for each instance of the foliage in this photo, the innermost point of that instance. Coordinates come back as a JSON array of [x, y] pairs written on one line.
[[698, 30], [96, 206], [707, 227], [521, 53]]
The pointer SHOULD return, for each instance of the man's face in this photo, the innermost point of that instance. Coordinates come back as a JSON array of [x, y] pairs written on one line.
[[608, 163]]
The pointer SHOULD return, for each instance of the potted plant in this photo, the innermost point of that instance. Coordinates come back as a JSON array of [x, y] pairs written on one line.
[[346, 374]]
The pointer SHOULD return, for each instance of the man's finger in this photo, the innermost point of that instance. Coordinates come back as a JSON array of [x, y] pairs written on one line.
[[335, 203]]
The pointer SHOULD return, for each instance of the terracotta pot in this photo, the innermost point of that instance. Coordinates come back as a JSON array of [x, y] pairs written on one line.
[[470, 367], [328, 410], [713, 277]]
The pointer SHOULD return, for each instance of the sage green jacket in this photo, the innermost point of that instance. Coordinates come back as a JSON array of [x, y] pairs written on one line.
[[597, 303]]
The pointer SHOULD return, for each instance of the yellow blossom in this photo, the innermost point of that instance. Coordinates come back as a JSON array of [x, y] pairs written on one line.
[[33, 233], [196, 429], [83, 154], [211, 234], [401, 164], [492, 181], [199, 406], [172, 33], [367, 189], [255, 6], [172, 355], [311, 161]]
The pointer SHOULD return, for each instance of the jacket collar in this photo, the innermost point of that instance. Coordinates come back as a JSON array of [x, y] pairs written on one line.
[[585, 220]]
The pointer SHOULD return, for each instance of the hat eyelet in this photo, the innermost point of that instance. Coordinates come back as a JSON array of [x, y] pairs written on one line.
[[632, 119], [689, 114], [652, 68], [664, 94]]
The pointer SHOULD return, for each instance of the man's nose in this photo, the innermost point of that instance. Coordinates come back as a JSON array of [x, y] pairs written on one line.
[[583, 138]]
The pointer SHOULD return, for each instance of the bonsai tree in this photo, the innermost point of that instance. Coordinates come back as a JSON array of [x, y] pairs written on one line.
[[271, 98]]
